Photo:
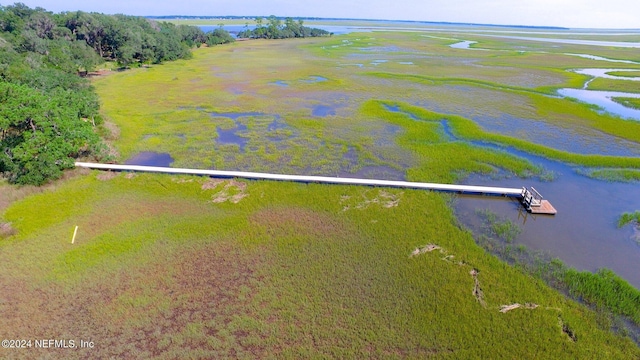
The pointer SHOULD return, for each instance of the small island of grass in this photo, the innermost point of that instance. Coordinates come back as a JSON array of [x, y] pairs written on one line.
[[628, 218], [628, 102]]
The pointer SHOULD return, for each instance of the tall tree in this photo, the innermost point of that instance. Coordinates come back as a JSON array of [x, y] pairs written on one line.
[[39, 135]]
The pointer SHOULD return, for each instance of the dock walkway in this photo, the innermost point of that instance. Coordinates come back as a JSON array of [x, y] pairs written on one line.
[[463, 189]]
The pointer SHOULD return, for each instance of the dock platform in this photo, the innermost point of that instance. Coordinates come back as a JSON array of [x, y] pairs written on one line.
[[532, 200], [545, 208]]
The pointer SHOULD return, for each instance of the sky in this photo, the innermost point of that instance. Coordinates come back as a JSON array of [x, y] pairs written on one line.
[[614, 14]]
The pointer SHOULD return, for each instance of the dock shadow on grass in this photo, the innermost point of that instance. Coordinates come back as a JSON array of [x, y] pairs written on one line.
[[614, 300]]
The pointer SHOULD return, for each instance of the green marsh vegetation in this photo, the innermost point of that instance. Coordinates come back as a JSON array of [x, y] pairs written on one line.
[[628, 102], [173, 266], [624, 175], [611, 296], [614, 85], [276, 28], [628, 218], [625, 73]]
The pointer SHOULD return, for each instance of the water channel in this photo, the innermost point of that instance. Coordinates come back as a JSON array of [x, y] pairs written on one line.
[[584, 233], [603, 99]]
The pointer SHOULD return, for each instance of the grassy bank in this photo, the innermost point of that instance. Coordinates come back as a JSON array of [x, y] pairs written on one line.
[[624, 175], [467, 129], [627, 218], [614, 85], [562, 111], [628, 102], [625, 73], [613, 298]]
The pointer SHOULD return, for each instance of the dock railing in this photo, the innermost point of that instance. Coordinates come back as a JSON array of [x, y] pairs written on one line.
[[531, 198]]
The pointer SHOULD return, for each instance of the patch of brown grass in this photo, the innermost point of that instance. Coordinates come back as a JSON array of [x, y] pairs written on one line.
[[233, 190], [383, 198], [212, 184], [12, 193], [6, 230], [112, 129], [298, 221], [111, 214], [106, 175], [187, 301]]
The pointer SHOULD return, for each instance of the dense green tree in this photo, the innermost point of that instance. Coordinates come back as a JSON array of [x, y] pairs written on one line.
[[10, 22], [40, 135], [277, 30], [42, 24], [219, 36], [274, 28], [191, 35], [48, 113]]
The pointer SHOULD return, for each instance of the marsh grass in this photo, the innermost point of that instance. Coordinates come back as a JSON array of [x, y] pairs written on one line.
[[6, 230], [623, 175], [467, 129], [185, 127], [615, 300], [614, 85], [563, 111], [628, 218], [625, 73], [160, 270], [605, 288], [633, 103], [504, 229]]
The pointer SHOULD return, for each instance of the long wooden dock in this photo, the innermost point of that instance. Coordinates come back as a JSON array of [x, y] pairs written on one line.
[[464, 189]]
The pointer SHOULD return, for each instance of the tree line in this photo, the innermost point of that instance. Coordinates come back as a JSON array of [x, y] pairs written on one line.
[[274, 28], [48, 113]]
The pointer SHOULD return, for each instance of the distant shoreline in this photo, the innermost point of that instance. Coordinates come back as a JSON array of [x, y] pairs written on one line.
[[199, 17]]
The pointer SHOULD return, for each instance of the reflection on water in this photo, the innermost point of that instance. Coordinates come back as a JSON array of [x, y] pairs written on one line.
[[583, 234], [603, 100], [604, 73], [396, 108], [234, 135], [539, 132], [570, 41], [230, 136], [600, 58], [309, 80], [149, 158], [367, 171], [314, 79], [464, 45], [323, 110]]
